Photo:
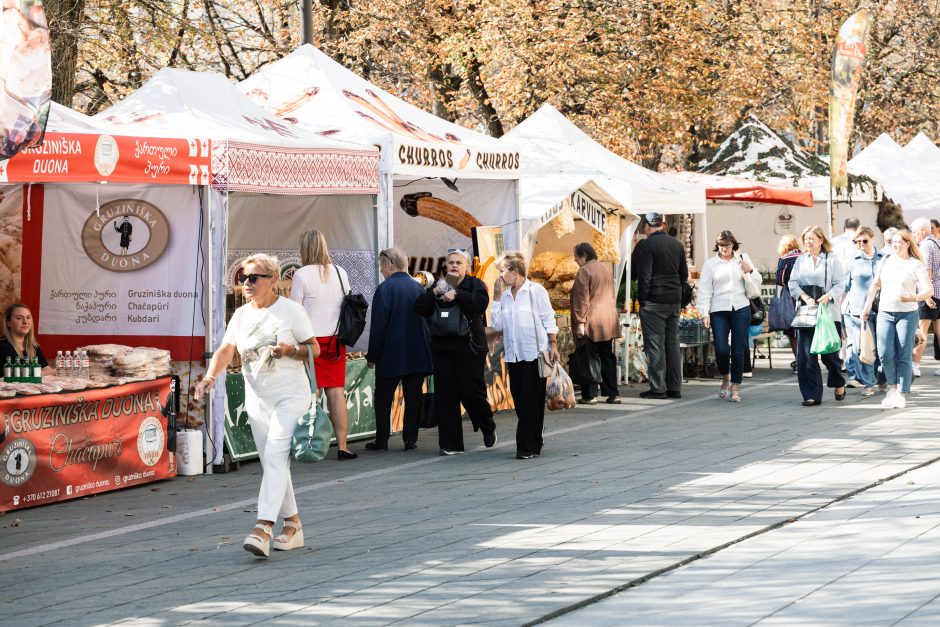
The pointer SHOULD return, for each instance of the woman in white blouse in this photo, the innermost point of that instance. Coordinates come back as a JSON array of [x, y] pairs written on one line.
[[320, 287], [726, 309], [902, 280], [522, 311]]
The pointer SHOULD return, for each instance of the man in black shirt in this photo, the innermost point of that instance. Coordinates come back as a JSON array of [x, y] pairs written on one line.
[[661, 273]]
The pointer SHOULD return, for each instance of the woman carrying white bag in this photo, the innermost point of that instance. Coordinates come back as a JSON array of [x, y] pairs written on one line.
[[522, 311]]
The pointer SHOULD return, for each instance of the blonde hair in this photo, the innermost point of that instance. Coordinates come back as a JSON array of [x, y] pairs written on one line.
[[787, 243], [913, 248], [268, 263], [314, 251], [513, 260], [29, 342], [816, 230]]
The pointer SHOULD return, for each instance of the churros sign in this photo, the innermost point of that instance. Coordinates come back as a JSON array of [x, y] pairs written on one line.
[[457, 157]]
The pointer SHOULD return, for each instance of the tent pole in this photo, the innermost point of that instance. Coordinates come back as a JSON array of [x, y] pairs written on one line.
[[208, 447], [308, 21]]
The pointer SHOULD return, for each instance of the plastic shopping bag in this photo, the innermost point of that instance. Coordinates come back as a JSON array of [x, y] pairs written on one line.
[[866, 345], [826, 337], [559, 393]]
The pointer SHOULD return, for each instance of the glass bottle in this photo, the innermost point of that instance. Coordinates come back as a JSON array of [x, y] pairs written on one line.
[[8, 370]]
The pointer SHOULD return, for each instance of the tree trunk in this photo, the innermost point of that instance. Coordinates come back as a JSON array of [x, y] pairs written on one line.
[[494, 125], [65, 19]]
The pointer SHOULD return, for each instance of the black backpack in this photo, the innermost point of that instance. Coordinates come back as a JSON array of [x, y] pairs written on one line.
[[352, 316]]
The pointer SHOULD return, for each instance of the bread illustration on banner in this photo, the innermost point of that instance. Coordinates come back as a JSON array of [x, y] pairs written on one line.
[[423, 204]]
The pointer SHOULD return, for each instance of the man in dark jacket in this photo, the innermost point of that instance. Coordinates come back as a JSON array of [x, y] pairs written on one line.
[[398, 349], [661, 273]]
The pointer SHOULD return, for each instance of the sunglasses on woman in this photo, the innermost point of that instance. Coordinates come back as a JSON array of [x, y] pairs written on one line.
[[862, 241], [251, 279]]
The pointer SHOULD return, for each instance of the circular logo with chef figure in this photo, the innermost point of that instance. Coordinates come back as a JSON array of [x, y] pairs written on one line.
[[150, 440], [17, 462], [125, 235], [106, 155]]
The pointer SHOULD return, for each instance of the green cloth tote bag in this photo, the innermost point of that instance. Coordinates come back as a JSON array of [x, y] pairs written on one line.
[[313, 432], [826, 337]]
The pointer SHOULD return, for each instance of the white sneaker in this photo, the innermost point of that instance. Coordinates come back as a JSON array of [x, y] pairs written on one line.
[[869, 391], [916, 369], [936, 372], [888, 400], [900, 402]]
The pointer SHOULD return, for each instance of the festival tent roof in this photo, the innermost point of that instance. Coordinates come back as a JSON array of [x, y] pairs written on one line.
[[755, 151], [746, 190], [79, 149], [554, 147], [251, 150], [312, 92], [924, 151], [905, 180]]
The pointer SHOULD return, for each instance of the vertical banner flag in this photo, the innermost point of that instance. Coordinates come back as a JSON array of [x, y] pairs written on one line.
[[848, 59], [25, 75]]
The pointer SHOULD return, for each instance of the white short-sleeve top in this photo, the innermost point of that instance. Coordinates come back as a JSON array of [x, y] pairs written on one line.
[[901, 276], [321, 298], [254, 332]]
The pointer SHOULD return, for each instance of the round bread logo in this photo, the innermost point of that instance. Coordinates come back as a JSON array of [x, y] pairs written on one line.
[[17, 462], [150, 441], [125, 235], [106, 155]]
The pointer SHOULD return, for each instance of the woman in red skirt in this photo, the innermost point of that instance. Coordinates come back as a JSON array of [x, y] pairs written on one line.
[[319, 286]]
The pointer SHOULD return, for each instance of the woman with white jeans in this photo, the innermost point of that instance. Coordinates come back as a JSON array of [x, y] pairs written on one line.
[[902, 280], [273, 336]]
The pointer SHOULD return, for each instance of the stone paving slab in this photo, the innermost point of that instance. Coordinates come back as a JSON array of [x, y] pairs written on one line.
[[414, 538]]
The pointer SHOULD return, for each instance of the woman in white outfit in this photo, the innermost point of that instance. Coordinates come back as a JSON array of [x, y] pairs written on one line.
[[522, 311], [273, 335]]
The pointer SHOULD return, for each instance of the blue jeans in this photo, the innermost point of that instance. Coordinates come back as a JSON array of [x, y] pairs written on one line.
[[808, 373], [865, 373], [896, 331], [736, 324]]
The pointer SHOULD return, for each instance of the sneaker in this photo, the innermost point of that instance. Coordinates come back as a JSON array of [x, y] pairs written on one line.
[[411, 446], [853, 383], [613, 400], [652, 394], [587, 401], [748, 375], [888, 400], [869, 391], [936, 372], [446, 452], [900, 401], [916, 369], [489, 439]]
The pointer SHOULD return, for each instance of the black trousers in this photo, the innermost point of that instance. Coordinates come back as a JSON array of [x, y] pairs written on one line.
[[458, 380], [608, 386], [528, 395], [384, 397]]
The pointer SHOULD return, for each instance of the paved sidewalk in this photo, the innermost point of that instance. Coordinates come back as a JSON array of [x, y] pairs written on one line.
[[619, 493], [870, 560]]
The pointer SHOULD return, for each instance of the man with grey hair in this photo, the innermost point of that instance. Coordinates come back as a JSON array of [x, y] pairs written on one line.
[[928, 310], [888, 234], [398, 349]]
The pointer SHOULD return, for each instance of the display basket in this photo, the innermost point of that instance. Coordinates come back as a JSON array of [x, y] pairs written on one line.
[[693, 334]]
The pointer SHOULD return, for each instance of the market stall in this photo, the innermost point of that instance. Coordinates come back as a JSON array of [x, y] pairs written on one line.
[[269, 183], [438, 180], [756, 152], [573, 190]]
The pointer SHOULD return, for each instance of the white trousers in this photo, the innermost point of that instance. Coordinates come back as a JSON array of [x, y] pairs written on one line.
[[272, 424]]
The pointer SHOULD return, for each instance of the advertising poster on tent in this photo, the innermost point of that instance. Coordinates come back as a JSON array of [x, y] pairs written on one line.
[[65, 446], [121, 264]]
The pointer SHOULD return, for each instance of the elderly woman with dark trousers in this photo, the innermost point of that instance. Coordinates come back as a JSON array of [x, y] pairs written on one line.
[[458, 351], [523, 313], [817, 279], [726, 309]]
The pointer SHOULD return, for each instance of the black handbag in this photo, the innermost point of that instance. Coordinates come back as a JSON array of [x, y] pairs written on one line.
[[758, 311], [448, 322], [686, 295], [352, 316], [584, 365]]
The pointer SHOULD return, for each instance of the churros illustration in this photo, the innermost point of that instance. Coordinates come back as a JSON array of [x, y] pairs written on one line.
[[464, 160], [296, 102], [423, 204], [384, 115]]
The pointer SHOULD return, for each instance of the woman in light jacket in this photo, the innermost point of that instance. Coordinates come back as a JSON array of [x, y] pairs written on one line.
[[522, 311], [726, 309], [859, 276], [320, 287], [817, 278], [903, 282]]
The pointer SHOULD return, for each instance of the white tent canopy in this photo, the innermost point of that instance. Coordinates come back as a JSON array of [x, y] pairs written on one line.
[[907, 177], [924, 152], [552, 145]]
